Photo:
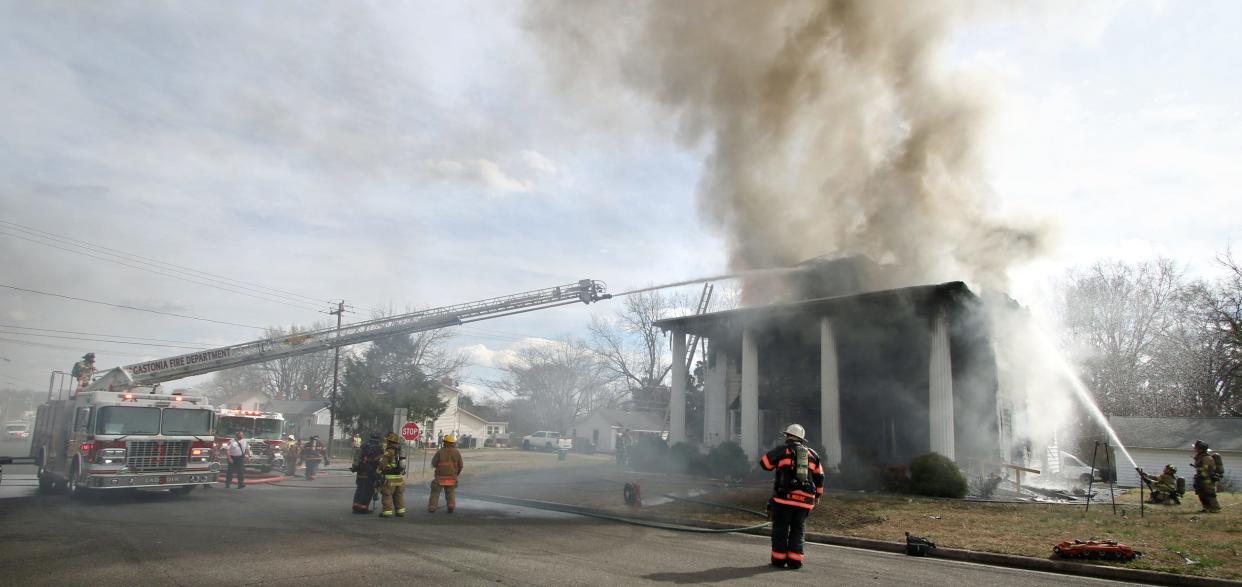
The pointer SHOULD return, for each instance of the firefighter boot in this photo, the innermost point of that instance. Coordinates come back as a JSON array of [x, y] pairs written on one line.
[[779, 559], [795, 561]]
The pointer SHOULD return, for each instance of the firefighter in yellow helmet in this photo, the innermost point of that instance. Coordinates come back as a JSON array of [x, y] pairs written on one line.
[[393, 471], [448, 465]]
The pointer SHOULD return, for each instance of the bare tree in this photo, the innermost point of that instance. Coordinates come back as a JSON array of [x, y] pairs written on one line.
[[281, 379], [1116, 314], [431, 353], [560, 382], [1227, 322], [634, 350]]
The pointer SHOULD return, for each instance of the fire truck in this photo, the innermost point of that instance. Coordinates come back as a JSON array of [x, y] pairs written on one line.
[[264, 431], [102, 440], [121, 431]]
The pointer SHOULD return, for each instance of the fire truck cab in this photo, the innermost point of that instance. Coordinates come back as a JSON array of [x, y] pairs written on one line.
[[100, 440], [264, 430]]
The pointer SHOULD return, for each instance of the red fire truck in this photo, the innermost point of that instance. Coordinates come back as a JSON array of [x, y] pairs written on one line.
[[264, 429], [101, 440]]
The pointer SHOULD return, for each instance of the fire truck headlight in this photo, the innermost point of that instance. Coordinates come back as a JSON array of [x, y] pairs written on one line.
[[110, 456]]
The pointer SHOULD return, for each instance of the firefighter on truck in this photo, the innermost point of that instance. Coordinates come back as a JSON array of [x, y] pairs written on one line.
[[101, 440]]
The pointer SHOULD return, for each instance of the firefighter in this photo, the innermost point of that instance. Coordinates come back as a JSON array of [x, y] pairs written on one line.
[[1163, 487], [364, 469], [82, 370], [798, 485], [393, 472], [447, 464], [293, 451], [1207, 473]]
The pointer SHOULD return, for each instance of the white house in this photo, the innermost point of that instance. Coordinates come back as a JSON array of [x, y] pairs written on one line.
[[601, 426], [1155, 442], [479, 422]]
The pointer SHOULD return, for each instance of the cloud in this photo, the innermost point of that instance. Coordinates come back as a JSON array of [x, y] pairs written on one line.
[[476, 173]]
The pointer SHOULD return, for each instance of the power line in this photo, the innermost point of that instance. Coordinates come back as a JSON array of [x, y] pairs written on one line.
[[129, 307], [76, 349], [97, 334], [117, 252], [165, 274], [150, 344]]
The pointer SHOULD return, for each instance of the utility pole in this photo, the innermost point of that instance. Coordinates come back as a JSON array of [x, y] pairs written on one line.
[[336, 367]]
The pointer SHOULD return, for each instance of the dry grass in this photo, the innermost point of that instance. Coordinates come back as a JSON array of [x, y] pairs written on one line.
[[1173, 539]]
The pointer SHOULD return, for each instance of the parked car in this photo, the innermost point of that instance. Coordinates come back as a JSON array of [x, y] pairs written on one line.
[[16, 431], [546, 440], [1073, 469]]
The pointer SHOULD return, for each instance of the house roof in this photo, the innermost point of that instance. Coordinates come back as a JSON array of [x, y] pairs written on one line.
[[462, 410], [1179, 433], [713, 324], [295, 407], [645, 421]]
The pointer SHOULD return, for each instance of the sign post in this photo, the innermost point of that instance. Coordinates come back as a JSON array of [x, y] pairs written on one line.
[[410, 432]]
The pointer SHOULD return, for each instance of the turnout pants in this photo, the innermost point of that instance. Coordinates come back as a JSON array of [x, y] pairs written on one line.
[[450, 494], [363, 492], [312, 469], [393, 492], [788, 531], [237, 466]]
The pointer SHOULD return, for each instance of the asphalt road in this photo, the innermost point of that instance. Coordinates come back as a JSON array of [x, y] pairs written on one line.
[[303, 534]]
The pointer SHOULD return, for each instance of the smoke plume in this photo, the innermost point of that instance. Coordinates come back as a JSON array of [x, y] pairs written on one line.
[[830, 126]]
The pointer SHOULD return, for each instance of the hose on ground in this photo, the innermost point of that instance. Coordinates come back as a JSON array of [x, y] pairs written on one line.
[[715, 504], [568, 509]]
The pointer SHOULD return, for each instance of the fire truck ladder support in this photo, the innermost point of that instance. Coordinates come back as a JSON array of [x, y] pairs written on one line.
[[198, 363]]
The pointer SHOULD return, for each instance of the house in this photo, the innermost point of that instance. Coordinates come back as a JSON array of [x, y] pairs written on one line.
[[875, 376], [481, 422], [247, 400], [302, 417], [449, 421], [1155, 442], [601, 426]]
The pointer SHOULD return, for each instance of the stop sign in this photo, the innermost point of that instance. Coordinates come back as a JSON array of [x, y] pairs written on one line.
[[409, 431]]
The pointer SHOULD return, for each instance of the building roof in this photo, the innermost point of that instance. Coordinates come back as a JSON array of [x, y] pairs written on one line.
[[712, 324], [1222, 434], [462, 410], [295, 407], [644, 421]]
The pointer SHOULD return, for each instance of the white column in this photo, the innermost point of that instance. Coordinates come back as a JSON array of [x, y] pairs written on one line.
[[750, 395], [677, 395], [715, 399], [940, 390], [829, 395]]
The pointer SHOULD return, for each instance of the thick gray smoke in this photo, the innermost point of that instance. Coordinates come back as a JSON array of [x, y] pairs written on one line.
[[831, 127]]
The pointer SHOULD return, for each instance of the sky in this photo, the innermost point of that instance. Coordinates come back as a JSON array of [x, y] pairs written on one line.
[[414, 154]]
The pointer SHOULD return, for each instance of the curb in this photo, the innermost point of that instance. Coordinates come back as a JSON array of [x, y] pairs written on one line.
[[1060, 567]]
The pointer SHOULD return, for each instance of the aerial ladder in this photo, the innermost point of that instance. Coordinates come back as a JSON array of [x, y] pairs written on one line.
[[150, 373]]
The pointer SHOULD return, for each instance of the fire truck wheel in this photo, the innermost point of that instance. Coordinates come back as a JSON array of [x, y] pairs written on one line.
[[46, 483], [183, 490], [76, 491]]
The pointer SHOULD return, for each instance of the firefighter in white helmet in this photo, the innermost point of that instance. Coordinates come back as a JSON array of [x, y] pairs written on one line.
[[798, 486]]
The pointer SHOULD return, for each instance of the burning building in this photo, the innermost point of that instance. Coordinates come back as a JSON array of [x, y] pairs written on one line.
[[875, 376]]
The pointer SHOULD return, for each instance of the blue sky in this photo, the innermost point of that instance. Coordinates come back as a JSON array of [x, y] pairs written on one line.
[[414, 154]]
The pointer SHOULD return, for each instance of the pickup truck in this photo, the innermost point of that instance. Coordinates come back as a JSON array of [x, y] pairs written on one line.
[[546, 440]]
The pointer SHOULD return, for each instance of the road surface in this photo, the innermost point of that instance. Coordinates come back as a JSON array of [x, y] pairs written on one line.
[[304, 534]]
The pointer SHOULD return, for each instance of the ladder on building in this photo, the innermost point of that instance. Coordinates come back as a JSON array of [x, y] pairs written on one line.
[[704, 301]]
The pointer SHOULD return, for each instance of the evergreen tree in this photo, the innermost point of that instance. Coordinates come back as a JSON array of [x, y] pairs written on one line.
[[386, 376]]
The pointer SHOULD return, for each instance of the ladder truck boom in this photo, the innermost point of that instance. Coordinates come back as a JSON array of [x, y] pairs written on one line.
[[207, 361]]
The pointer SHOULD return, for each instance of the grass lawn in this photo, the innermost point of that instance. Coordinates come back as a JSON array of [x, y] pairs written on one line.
[[1173, 539]]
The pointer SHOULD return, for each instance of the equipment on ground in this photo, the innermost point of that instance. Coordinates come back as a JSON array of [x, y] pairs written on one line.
[[633, 494], [918, 546], [1095, 550], [101, 440]]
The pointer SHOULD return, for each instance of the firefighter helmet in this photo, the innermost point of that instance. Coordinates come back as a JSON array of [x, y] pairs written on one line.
[[392, 437], [88, 356], [796, 431], [450, 438], [1171, 469], [1200, 445]]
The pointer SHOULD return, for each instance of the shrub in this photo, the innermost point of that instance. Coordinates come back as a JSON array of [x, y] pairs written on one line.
[[728, 461], [934, 475], [894, 478], [650, 453], [684, 457]]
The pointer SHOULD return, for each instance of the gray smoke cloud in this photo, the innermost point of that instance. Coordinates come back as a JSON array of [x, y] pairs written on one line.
[[829, 127]]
